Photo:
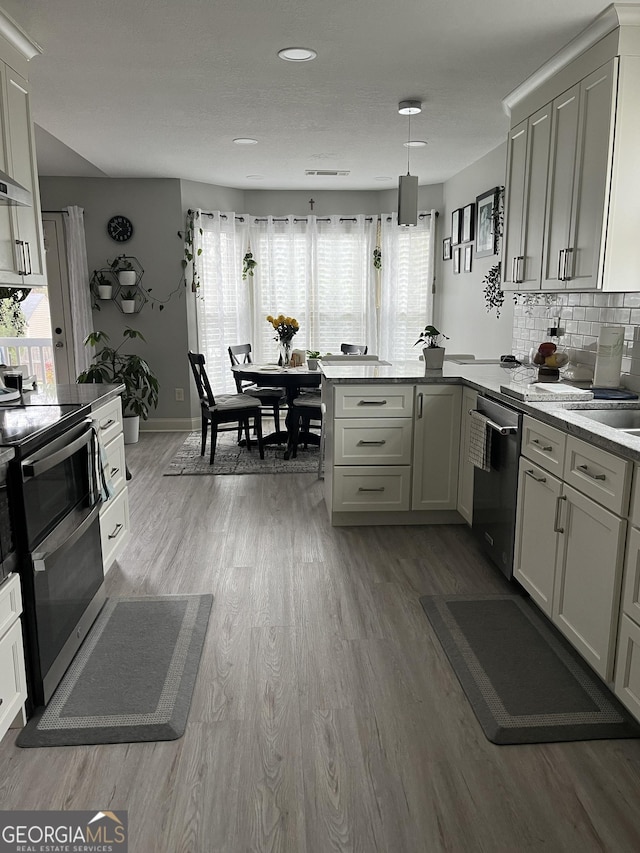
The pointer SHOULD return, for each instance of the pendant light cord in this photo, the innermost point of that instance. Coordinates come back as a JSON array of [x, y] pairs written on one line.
[[408, 146]]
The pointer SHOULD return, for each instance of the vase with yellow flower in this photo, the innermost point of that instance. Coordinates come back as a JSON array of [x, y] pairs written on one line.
[[285, 328]]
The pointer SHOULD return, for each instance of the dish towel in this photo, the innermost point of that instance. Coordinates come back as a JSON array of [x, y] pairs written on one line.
[[479, 441]]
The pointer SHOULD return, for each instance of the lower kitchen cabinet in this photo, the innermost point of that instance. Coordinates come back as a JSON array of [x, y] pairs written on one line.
[[114, 513], [536, 537], [627, 683], [466, 468], [13, 681], [436, 450], [588, 576]]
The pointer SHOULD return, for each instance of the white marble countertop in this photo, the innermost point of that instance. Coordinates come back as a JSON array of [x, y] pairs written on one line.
[[488, 379]]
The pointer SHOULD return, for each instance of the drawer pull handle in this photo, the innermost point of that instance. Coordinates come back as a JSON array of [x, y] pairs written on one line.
[[556, 520], [116, 531], [379, 489], [109, 423], [113, 472], [546, 447], [537, 479], [372, 402], [379, 443], [586, 471]]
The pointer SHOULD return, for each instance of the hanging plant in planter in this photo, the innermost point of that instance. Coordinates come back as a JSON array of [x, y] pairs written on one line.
[[493, 293], [12, 320], [377, 252], [189, 233], [249, 263]]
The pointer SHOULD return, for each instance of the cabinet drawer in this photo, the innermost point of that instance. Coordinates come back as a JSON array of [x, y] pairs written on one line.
[[13, 682], [361, 441], [374, 401], [114, 527], [631, 583], [544, 445], [600, 475], [372, 489], [109, 420], [10, 602], [627, 681], [115, 469]]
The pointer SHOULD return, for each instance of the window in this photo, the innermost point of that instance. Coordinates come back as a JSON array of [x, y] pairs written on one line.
[[320, 271]]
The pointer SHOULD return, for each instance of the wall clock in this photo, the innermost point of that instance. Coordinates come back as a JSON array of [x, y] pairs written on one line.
[[119, 228]]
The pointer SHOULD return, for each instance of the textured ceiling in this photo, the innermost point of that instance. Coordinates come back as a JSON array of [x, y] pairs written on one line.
[[160, 88]]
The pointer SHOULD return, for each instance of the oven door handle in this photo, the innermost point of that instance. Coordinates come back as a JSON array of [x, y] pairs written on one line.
[[40, 558], [31, 468]]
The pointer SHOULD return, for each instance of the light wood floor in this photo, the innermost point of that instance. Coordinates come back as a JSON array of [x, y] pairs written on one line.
[[326, 716]]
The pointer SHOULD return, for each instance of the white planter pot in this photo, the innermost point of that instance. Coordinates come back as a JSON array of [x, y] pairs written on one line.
[[128, 306], [312, 363], [131, 428], [105, 291], [127, 278], [433, 358]]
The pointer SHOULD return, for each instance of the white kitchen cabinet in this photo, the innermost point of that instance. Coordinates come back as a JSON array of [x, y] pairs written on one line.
[[536, 538], [627, 681], [13, 682], [581, 149], [588, 576], [465, 468], [22, 259], [436, 447], [114, 513], [569, 548], [525, 202]]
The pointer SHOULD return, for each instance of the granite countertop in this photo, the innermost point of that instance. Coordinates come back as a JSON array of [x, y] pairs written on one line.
[[488, 379], [71, 395]]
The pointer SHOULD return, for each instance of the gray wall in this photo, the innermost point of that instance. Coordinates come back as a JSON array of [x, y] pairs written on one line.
[[460, 310]]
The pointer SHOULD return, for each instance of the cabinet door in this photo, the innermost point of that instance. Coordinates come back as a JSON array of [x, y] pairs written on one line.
[[562, 161], [465, 468], [588, 575], [23, 169], [514, 203], [8, 259], [536, 539], [436, 447], [529, 268], [592, 176]]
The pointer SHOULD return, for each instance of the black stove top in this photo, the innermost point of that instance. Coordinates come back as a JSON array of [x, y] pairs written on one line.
[[27, 427]]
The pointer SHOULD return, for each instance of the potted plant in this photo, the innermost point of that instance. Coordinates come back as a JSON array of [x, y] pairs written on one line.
[[432, 351], [123, 268], [312, 359], [128, 301], [105, 287], [114, 367]]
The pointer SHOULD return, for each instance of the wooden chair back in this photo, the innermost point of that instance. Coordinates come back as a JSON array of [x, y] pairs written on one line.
[[353, 349], [196, 360]]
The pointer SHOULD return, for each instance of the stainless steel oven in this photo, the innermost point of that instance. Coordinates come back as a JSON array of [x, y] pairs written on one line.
[[56, 507]]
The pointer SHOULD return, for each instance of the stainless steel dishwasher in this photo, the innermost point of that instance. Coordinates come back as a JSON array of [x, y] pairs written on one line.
[[495, 490]]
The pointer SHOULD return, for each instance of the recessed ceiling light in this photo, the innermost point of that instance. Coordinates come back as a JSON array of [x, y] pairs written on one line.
[[245, 140], [383, 178], [415, 143], [409, 108], [297, 54]]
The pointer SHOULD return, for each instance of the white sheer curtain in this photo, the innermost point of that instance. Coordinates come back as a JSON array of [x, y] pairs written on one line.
[[223, 304], [80, 298], [406, 300]]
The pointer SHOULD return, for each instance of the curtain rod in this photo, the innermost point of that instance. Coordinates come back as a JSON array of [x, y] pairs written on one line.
[[305, 218]]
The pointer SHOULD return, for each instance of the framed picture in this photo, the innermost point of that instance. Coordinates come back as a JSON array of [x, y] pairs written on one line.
[[446, 249], [456, 224], [468, 252], [467, 223], [485, 223], [456, 260]]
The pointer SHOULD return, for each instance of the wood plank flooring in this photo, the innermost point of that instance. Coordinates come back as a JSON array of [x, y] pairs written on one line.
[[325, 716]]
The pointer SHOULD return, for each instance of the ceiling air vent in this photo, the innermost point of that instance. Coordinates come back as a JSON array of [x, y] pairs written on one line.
[[327, 173]]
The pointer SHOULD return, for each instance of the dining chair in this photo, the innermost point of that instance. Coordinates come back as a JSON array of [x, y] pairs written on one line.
[[235, 409], [270, 398], [307, 410], [353, 349]]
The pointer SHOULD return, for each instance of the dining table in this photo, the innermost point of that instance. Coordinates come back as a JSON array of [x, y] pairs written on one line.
[[292, 380]]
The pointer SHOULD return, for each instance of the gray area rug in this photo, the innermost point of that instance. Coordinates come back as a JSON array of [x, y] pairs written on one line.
[[133, 677], [524, 681], [231, 459]]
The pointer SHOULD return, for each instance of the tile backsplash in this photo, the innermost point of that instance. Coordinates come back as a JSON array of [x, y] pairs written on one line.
[[582, 315]]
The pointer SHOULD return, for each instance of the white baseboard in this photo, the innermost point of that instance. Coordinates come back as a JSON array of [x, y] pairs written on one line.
[[170, 425]]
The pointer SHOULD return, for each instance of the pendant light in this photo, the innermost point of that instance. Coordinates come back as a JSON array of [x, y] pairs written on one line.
[[408, 184]]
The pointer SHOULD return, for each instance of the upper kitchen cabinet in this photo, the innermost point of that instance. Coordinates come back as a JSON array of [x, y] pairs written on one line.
[[573, 177], [22, 259]]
